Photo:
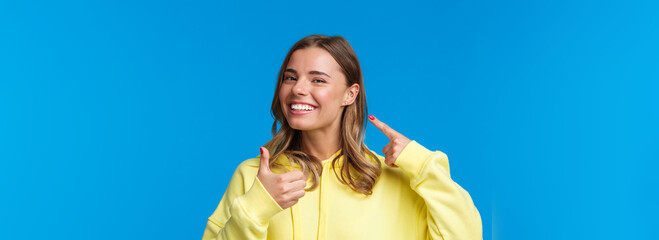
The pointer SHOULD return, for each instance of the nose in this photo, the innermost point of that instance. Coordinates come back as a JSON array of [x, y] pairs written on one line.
[[300, 87]]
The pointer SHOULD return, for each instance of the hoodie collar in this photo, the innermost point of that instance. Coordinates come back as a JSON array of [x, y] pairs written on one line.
[[283, 159]]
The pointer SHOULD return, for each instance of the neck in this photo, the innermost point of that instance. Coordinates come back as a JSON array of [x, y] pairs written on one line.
[[321, 144]]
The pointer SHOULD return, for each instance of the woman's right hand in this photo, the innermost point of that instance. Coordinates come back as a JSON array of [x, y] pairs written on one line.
[[286, 188]]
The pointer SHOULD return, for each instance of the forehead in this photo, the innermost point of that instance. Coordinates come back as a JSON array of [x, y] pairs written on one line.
[[313, 58]]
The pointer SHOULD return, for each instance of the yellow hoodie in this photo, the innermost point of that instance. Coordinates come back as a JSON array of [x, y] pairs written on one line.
[[418, 200]]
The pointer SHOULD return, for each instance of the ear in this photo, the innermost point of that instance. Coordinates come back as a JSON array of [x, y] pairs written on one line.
[[352, 90]]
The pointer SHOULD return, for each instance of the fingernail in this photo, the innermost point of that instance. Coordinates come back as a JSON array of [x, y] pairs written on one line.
[[371, 117], [261, 149]]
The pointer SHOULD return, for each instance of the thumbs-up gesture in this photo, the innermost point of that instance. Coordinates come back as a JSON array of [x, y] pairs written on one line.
[[285, 188], [396, 145]]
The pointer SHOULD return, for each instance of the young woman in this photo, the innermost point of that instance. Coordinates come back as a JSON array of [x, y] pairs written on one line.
[[317, 180]]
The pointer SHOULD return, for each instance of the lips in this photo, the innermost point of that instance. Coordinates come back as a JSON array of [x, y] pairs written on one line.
[[300, 111], [298, 102]]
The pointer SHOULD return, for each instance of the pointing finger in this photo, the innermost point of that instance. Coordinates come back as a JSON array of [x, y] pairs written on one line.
[[388, 131]]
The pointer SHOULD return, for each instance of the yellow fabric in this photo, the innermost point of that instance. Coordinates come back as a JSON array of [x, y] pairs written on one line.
[[416, 201]]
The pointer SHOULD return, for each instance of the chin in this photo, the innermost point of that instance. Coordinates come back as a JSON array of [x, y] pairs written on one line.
[[301, 127]]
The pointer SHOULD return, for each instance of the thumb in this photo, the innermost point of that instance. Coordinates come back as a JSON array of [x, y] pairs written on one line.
[[265, 160]]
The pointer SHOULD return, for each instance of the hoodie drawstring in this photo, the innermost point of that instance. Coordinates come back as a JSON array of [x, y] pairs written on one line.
[[295, 215]]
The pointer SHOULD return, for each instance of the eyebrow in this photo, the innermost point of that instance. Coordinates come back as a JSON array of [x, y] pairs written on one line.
[[314, 72]]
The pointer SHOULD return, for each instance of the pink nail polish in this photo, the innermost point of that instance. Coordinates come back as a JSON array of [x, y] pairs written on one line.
[[261, 149], [371, 117]]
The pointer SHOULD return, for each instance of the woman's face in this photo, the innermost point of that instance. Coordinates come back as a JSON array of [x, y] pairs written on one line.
[[313, 92]]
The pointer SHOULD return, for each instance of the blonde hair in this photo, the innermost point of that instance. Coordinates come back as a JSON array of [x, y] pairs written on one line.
[[357, 171]]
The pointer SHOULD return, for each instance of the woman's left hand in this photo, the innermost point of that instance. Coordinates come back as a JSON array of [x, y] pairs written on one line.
[[397, 144]]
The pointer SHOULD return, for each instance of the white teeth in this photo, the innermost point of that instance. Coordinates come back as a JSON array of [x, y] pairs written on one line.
[[299, 107]]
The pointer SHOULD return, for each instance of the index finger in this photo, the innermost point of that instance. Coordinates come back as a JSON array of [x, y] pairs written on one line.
[[388, 131]]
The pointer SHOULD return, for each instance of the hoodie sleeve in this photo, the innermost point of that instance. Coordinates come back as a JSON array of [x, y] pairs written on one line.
[[451, 213], [244, 211]]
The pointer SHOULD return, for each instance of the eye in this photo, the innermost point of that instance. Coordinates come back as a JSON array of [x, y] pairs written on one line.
[[290, 78], [319, 80]]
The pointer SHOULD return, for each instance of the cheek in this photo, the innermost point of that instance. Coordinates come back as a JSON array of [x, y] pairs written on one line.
[[327, 99], [283, 92]]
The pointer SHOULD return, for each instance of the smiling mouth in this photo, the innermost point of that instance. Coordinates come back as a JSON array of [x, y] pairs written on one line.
[[299, 109]]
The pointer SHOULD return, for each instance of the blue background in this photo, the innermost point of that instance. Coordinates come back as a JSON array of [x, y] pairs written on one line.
[[124, 119]]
